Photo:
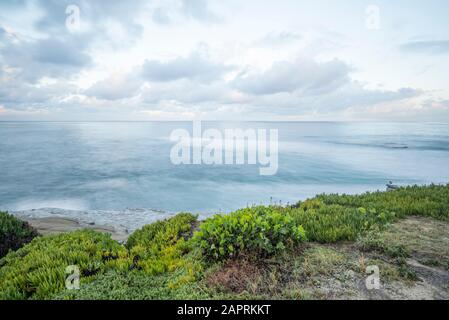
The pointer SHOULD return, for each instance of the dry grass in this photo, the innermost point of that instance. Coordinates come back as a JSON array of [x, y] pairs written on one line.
[[338, 271]]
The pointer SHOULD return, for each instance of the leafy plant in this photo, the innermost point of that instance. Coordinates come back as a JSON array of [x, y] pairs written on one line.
[[259, 230], [332, 218], [37, 270], [163, 233], [372, 242], [162, 246], [135, 285], [430, 201], [14, 233], [332, 223], [165, 260]]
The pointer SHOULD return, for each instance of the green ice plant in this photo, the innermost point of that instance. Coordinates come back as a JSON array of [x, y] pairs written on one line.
[[37, 270], [165, 253], [165, 246], [332, 218], [431, 201], [332, 223]]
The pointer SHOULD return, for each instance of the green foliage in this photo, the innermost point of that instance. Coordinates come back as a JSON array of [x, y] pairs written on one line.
[[259, 230], [405, 271], [373, 242], [14, 233], [430, 201], [163, 246], [135, 285], [332, 223], [163, 233], [163, 261], [332, 218], [37, 270]]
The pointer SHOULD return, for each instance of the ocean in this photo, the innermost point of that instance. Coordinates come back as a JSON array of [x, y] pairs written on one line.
[[120, 173]]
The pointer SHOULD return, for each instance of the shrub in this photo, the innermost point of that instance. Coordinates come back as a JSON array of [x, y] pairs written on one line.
[[134, 285], [372, 241], [162, 246], [163, 233], [430, 201], [332, 223], [259, 230], [37, 270], [331, 218], [236, 276], [14, 233]]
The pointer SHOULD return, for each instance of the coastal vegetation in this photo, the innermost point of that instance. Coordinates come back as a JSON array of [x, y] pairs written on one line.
[[262, 231], [256, 252], [38, 270], [14, 233]]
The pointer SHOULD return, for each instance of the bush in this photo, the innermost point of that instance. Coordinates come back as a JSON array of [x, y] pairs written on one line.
[[373, 242], [331, 218], [332, 223], [163, 261], [430, 201], [163, 233], [14, 233], [163, 246], [259, 230], [134, 285], [37, 270]]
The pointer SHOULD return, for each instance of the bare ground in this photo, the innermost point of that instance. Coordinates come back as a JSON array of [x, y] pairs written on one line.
[[57, 225], [412, 256]]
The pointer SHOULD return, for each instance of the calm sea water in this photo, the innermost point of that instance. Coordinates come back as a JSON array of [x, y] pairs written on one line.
[[121, 173]]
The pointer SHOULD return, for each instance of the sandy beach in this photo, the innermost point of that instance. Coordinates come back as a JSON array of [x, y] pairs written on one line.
[[57, 225]]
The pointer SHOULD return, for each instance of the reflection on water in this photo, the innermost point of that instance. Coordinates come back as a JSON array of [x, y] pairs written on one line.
[[114, 166]]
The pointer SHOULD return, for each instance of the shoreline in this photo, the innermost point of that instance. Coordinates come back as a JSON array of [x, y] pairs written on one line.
[[53, 221], [57, 225], [318, 249], [119, 223]]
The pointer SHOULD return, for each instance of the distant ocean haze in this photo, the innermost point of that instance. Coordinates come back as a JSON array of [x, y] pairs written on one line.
[[100, 169]]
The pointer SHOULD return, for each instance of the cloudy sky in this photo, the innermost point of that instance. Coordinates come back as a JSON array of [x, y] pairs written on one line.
[[224, 60]]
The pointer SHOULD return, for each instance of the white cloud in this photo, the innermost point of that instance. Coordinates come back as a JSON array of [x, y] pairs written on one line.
[[116, 87], [193, 67], [276, 39], [432, 47], [135, 57], [307, 76]]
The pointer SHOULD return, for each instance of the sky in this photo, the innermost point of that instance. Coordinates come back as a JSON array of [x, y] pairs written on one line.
[[283, 60]]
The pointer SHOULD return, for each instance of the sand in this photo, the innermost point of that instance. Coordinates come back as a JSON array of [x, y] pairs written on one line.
[[57, 225]]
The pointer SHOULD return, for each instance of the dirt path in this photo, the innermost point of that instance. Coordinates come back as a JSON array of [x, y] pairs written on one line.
[[413, 259]]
